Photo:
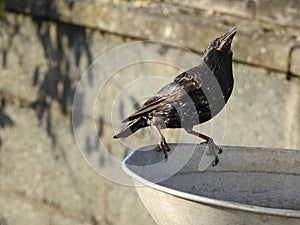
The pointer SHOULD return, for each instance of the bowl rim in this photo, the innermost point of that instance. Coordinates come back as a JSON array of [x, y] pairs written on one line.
[[207, 200]]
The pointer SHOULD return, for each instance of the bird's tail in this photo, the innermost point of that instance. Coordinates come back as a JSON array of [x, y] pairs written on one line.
[[132, 127]]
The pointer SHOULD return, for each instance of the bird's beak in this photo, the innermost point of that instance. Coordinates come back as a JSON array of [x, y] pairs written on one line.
[[226, 39]]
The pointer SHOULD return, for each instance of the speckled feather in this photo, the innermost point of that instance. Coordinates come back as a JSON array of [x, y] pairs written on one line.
[[193, 97]]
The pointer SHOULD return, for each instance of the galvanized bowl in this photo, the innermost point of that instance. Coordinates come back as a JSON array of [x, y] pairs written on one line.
[[250, 186]]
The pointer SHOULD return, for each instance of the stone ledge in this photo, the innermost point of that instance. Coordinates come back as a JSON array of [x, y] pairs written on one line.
[[295, 56], [276, 11], [257, 43]]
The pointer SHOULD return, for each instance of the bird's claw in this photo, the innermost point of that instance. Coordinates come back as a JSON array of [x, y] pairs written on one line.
[[212, 147], [158, 148], [211, 144], [206, 142], [163, 146], [216, 161], [220, 151]]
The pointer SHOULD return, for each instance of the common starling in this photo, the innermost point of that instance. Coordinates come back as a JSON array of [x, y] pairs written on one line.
[[193, 97]]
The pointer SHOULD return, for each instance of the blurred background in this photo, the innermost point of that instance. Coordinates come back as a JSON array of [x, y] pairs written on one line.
[[45, 47]]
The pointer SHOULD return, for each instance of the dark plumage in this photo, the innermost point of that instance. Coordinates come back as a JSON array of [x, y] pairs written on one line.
[[193, 97]]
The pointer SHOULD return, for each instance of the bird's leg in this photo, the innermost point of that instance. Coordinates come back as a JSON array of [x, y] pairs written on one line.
[[211, 145], [162, 145]]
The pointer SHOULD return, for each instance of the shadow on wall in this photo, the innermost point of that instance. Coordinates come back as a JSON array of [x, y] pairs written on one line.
[[67, 54], [63, 52], [5, 120]]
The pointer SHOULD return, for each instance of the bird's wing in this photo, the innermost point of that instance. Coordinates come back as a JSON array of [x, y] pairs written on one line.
[[188, 82], [183, 83], [150, 105]]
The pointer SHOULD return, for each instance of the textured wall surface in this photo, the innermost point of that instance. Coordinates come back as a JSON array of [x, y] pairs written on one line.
[[46, 46]]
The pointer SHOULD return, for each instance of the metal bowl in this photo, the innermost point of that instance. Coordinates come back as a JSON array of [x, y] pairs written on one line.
[[248, 186]]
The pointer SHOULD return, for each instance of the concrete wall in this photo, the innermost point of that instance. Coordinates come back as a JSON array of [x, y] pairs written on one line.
[[45, 47]]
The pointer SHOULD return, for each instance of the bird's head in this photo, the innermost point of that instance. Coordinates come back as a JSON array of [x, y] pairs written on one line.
[[220, 47]]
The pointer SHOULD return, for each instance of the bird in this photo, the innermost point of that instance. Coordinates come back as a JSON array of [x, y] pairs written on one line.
[[193, 97]]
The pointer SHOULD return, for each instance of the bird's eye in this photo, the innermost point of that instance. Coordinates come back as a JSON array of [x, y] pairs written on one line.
[[215, 44]]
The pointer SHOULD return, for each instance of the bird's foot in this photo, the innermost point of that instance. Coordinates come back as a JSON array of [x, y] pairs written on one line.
[[216, 161], [163, 146], [215, 146], [220, 151], [212, 149]]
